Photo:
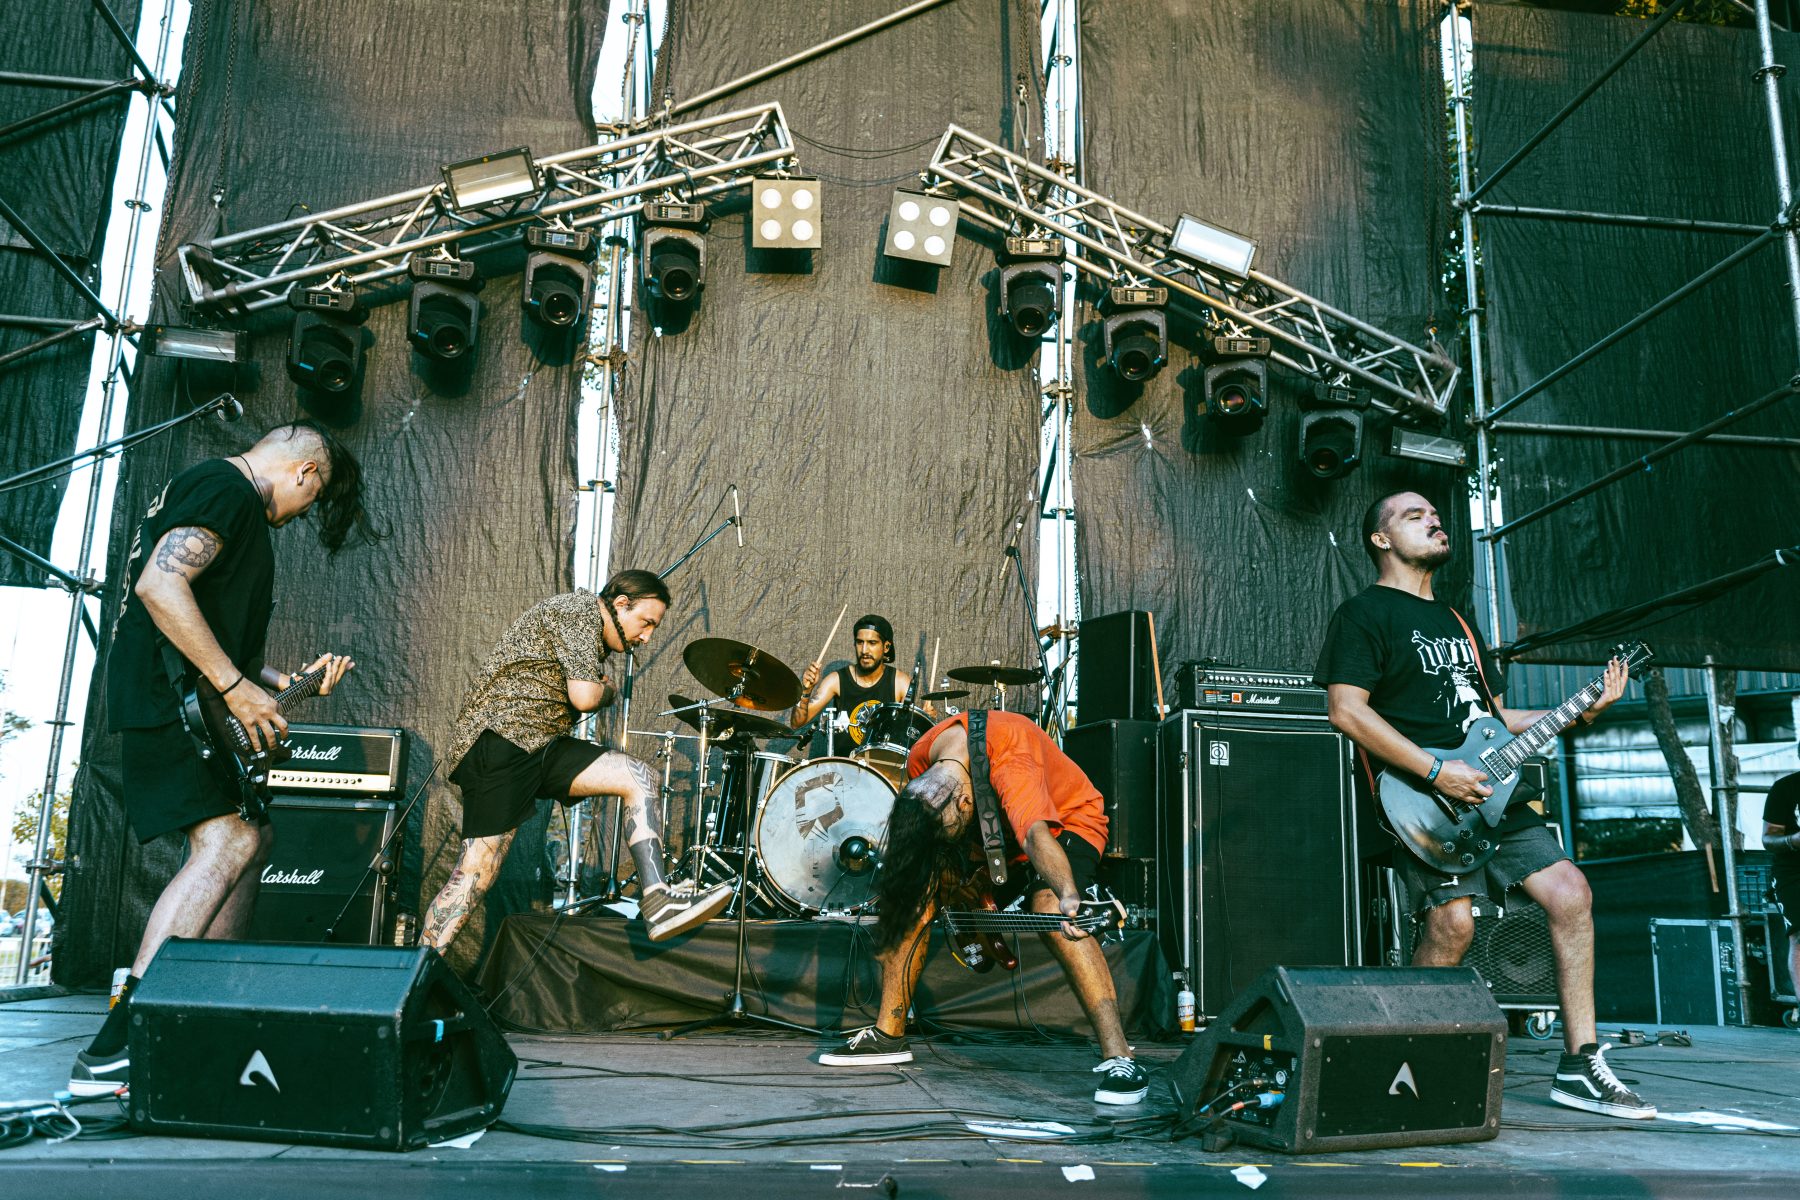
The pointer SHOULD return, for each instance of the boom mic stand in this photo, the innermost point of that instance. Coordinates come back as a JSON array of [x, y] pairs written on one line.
[[1012, 552]]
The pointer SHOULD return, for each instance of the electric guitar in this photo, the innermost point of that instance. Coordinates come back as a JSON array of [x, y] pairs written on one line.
[[1456, 838], [977, 935], [215, 732]]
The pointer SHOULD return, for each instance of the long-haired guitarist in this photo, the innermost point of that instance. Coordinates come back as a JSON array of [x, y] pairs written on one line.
[[202, 574], [1046, 818], [1404, 671]]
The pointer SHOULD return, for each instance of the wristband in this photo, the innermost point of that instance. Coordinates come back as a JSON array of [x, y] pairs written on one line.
[[234, 683], [1437, 764]]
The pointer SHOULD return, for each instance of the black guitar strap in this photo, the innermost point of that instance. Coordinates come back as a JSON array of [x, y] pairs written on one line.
[[987, 800]]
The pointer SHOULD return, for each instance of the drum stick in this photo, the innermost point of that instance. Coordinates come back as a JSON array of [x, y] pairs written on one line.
[[931, 679], [820, 660]]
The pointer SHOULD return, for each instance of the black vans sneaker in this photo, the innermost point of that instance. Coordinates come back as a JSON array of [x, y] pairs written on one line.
[[868, 1048], [1125, 1082], [669, 910], [100, 1074], [1584, 1081]]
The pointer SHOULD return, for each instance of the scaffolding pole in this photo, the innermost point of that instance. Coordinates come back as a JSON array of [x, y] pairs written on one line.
[[41, 866], [1724, 803], [1769, 74]]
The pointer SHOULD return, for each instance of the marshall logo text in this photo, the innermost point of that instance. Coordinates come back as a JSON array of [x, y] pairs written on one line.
[[295, 876]]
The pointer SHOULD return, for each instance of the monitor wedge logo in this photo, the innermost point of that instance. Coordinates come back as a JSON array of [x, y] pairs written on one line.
[[258, 1067], [1404, 1077]]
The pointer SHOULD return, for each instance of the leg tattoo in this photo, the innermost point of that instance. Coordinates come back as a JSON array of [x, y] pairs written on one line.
[[470, 880], [641, 833]]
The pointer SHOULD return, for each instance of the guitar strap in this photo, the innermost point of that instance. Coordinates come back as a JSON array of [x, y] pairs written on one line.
[[987, 800], [1475, 649]]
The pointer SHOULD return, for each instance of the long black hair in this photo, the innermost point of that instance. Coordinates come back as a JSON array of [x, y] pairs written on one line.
[[342, 521], [921, 856]]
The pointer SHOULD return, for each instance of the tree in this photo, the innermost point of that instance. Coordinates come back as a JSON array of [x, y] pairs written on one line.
[[11, 723]]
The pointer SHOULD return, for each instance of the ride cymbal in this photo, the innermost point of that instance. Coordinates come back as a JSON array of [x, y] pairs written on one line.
[[748, 677], [726, 722], [1010, 676]]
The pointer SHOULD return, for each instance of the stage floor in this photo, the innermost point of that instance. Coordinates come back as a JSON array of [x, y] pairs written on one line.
[[727, 1102]]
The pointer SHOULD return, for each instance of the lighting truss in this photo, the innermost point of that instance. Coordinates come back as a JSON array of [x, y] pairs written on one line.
[[375, 239], [1119, 247]]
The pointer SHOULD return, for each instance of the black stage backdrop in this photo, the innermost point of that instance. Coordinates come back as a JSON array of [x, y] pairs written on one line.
[[881, 450], [1305, 125], [324, 102], [58, 177], [1680, 131]]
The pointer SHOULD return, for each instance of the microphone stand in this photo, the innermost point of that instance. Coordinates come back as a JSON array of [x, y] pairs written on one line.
[[1012, 552]]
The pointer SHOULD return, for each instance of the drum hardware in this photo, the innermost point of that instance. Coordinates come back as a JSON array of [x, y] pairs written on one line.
[[946, 694], [820, 832], [742, 674], [998, 677]]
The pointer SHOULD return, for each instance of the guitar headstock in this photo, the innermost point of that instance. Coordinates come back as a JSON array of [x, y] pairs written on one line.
[[1635, 655]]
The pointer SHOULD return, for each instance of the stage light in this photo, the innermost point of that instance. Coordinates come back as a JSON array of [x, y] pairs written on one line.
[[784, 213], [1234, 388], [559, 282], [1212, 246], [445, 313], [1425, 447], [226, 347], [325, 350], [1030, 277], [921, 227], [1331, 441], [672, 251], [1135, 332], [508, 175]]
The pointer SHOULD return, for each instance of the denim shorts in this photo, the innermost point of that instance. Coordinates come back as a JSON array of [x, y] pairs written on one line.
[[1523, 852]]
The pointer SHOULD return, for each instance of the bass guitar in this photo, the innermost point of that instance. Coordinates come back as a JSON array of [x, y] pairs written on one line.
[[1456, 838], [217, 734], [977, 935]]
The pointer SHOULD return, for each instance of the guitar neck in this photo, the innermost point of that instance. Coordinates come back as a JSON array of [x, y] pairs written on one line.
[[1005, 922], [302, 687], [1543, 731]]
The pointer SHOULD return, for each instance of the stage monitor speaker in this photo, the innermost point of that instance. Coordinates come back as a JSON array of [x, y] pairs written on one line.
[[373, 1047], [324, 847], [1258, 841], [1360, 1058], [1117, 671], [1119, 758]]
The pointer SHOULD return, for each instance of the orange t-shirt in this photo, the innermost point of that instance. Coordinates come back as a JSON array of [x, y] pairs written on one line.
[[1036, 781]]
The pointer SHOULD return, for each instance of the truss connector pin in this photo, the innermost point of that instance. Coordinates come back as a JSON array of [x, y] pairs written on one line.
[[1775, 69], [46, 866]]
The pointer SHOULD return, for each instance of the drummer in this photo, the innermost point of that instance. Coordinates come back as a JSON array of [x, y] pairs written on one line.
[[861, 688]]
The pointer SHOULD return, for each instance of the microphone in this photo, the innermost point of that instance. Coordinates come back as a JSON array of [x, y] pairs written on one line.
[[857, 854], [737, 515], [226, 407], [1012, 549]]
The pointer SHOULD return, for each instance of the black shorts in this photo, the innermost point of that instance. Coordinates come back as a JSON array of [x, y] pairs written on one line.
[[1022, 879], [1523, 852], [1784, 887], [168, 786], [501, 784]]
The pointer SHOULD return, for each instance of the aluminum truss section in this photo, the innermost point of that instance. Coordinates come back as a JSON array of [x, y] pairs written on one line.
[[375, 239], [1117, 246]]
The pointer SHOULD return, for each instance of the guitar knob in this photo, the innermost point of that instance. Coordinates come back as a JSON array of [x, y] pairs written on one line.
[[1447, 847], [1468, 860], [1465, 834], [1484, 845]]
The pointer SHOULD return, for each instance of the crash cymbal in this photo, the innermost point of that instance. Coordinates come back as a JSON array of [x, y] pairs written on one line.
[[726, 721], [956, 694], [1011, 676], [760, 679]]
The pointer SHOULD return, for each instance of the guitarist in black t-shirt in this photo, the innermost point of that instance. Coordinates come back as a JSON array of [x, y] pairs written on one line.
[[1403, 671], [1781, 836], [201, 575]]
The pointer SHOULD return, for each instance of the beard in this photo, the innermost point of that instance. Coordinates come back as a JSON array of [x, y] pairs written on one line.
[[1429, 559]]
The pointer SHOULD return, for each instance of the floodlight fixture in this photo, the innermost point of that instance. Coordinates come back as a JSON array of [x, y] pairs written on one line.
[[226, 347], [921, 227], [1426, 447], [1134, 334], [1212, 246], [1331, 441], [444, 314], [325, 350], [492, 178], [559, 280], [1234, 388], [785, 213], [672, 253], [1030, 277]]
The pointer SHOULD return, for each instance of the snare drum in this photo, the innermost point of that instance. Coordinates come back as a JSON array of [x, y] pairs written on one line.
[[810, 813], [891, 731]]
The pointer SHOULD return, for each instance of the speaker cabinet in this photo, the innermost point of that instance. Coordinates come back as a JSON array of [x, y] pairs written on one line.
[[319, 869], [1119, 758], [1117, 673], [1361, 1058], [1259, 848], [373, 1047], [1511, 949]]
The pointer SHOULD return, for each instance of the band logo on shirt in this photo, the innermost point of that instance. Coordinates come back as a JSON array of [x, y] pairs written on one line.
[[1452, 662]]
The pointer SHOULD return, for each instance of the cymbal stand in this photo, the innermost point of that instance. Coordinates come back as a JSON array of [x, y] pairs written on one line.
[[734, 1013]]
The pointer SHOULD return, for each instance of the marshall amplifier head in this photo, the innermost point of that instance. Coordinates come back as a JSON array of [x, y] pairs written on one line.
[[1201, 685], [346, 760]]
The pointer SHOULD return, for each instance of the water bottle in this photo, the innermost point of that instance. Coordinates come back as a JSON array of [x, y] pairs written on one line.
[[120, 975], [1184, 1006]]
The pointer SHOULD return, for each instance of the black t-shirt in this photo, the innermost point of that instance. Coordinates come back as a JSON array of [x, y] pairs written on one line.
[[235, 592], [861, 702], [1780, 805], [1414, 659]]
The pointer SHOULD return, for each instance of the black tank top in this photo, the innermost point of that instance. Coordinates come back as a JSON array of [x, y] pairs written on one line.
[[861, 702]]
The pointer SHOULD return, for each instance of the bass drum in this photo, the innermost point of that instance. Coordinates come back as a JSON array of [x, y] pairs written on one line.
[[892, 730], [809, 816]]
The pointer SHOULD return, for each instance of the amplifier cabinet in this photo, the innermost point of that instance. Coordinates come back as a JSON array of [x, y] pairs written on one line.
[[1119, 758], [1258, 848], [324, 846]]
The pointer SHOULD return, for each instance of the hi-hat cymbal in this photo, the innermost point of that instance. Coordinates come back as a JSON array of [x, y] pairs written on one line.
[[725, 721], [758, 679], [1011, 676], [953, 694]]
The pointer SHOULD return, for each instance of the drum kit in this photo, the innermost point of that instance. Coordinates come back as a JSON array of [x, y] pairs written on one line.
[[798, 836]]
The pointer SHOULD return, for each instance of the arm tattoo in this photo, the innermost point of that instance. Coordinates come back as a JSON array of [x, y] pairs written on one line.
[[187, 551]]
